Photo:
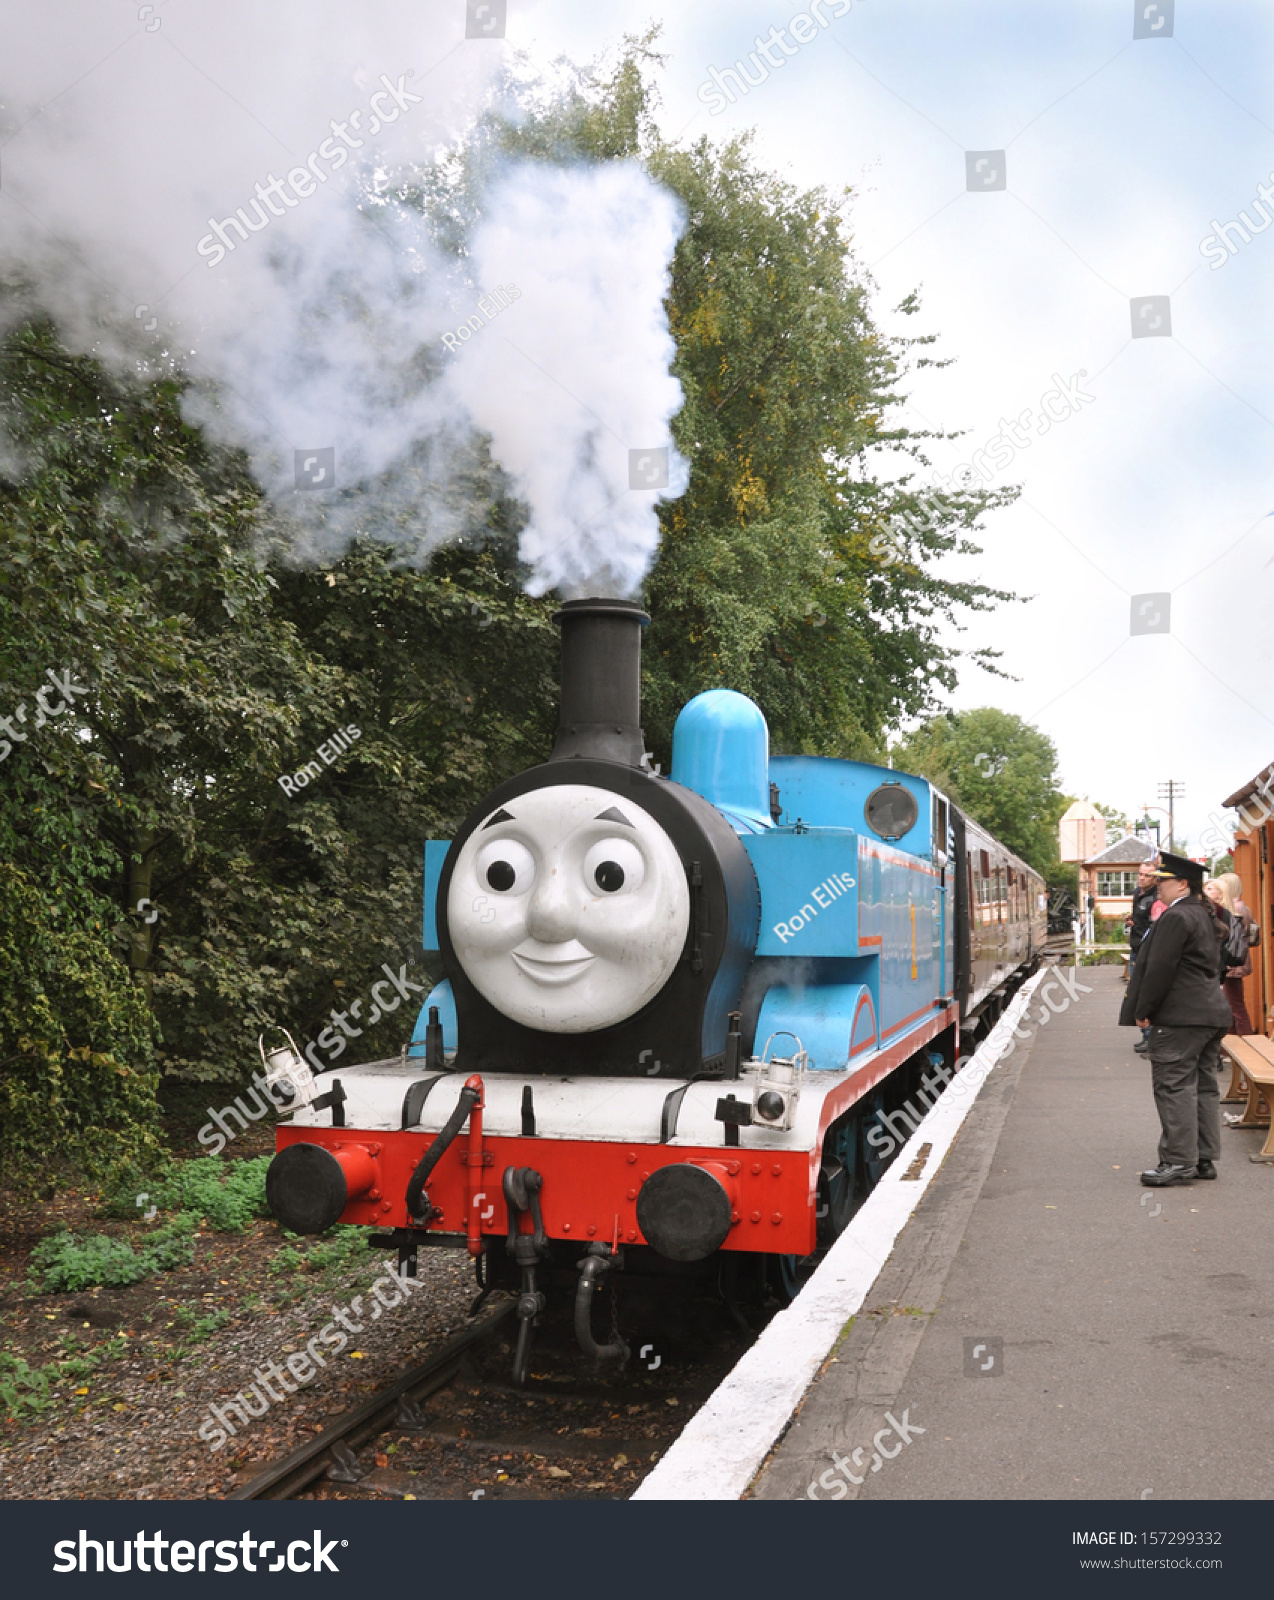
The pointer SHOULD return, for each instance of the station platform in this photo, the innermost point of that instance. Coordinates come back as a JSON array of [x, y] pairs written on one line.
[[1057, 1330]]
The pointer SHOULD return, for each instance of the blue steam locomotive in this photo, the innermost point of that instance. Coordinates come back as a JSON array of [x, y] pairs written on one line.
[[675, 1009]]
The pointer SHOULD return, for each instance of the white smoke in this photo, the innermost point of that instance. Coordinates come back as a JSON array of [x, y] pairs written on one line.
[[139, 144], [572, 382]]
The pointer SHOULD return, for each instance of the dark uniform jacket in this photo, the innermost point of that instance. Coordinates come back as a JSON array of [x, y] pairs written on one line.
[[1176, 979], [1142, 903]]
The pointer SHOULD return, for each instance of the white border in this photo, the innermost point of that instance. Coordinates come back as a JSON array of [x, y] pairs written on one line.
[[725, 1442]]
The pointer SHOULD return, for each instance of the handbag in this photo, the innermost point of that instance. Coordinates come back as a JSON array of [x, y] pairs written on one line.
[[1236, 945], [1253, 934]]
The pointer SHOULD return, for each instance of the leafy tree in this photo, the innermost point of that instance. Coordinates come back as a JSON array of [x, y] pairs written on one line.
[[130, 555], [998, 768], [798, 566]]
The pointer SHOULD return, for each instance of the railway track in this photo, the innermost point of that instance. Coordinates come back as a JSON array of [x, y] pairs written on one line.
[[456, 1427], [293, 1474]]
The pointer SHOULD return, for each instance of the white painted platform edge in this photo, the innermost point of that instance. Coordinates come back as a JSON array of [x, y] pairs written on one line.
[[725, 1442]]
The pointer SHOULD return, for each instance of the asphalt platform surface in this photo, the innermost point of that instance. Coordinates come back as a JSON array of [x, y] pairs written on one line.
[[1126, 1334]]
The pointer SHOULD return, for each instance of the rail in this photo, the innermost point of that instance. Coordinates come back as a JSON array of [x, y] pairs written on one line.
[[294, 1472]]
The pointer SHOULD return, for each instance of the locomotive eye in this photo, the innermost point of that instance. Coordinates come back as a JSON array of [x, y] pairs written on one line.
[[505, 866], [614, 864]]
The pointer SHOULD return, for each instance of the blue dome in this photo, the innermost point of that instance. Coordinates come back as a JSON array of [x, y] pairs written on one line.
[[721, 750]]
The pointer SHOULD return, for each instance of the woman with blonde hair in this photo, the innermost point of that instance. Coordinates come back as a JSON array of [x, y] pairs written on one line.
[[1219, 892]]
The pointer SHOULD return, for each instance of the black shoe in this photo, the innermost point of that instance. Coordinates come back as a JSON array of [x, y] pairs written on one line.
[[1142, 1048], [1166, 1173], [1205, 1169]]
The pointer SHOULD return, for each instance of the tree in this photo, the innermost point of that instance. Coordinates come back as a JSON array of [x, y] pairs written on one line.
[[998, 768], [798, 567], [151, 808]]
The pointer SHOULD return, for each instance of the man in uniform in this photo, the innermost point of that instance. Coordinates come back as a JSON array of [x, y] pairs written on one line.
[[1175, 990]]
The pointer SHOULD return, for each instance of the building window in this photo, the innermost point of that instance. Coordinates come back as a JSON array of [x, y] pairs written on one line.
[[1116, 885]]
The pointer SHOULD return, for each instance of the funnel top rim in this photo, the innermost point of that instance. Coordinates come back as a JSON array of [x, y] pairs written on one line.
[[601, 606]]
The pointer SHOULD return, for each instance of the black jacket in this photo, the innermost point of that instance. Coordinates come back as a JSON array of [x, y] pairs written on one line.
[[1142, 903], [1176, 979]]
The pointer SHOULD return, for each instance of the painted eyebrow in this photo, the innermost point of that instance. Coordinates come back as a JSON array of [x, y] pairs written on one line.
[[613, 815], [501, 816]]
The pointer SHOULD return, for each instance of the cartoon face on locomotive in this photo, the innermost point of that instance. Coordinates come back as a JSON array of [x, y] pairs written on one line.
[[684, 1021]]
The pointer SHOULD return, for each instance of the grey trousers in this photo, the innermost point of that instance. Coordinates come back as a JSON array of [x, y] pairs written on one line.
[[1183, 1064]]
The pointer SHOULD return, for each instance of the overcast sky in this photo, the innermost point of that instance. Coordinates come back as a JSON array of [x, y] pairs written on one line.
[[1120, 152], [1100, 162]]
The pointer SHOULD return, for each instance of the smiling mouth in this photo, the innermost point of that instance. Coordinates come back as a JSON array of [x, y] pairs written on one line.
[[552, 972]]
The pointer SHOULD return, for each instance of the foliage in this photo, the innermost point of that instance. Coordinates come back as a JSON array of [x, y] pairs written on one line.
[[226, 1195], [131, 553], [998, 768], [336, 1249], [63, 1263], [75, 1034], [199, 1326], [26, 1391]]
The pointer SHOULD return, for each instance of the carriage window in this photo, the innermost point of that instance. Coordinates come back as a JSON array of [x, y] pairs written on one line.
[[891, 811], [940, 825]]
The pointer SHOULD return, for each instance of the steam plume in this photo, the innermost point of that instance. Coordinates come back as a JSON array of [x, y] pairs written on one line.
[[153, 185]]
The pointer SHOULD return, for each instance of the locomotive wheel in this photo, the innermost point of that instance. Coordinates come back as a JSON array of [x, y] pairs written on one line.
[[835, 1202], [784, 1276]]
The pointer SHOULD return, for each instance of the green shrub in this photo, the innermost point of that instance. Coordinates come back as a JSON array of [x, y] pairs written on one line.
[[228, 1194], [76, 1037], [63, 1263], [346, 1243], [26, 1389]]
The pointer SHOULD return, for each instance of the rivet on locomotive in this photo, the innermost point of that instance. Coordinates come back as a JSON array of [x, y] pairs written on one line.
[[675, 1008]]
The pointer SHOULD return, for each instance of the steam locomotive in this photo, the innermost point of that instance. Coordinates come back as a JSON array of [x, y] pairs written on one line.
[[675, 1009]]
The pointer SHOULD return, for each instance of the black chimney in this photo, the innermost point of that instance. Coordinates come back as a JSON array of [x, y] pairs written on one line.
[[601, 681]]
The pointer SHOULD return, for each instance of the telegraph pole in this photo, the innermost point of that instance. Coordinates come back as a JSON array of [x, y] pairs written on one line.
[[1172, 791]]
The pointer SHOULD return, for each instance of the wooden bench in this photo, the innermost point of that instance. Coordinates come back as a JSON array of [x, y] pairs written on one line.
[[1251, 1059]]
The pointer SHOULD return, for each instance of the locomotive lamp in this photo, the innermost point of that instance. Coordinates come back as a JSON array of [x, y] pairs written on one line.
[[777, 1090], [286, 1071]]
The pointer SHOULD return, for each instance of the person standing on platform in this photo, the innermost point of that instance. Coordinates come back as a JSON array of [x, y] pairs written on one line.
[[1232, 972], [1233, 984], [1144, 901], [1175, 991]]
